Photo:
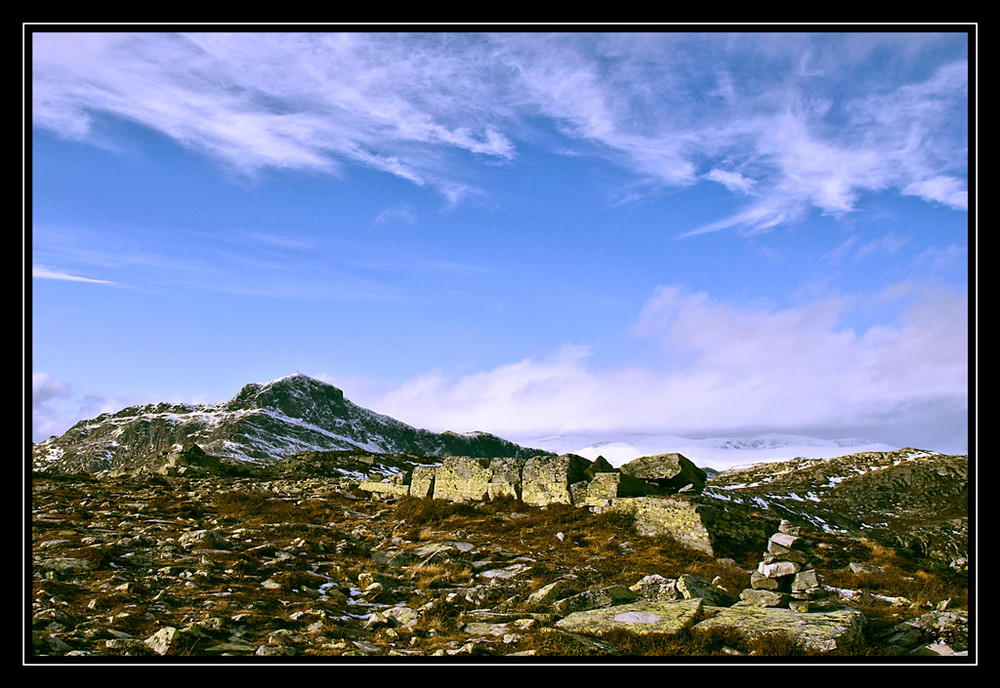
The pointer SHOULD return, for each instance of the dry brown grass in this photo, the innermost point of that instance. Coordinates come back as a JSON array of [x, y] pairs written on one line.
[[688, 643], [256, 507], [440, 575], [896, 576]]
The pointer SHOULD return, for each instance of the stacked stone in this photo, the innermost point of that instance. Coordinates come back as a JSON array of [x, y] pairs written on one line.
[[785, 577]]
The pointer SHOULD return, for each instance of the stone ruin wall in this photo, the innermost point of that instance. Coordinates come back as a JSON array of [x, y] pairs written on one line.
[[571, 479]]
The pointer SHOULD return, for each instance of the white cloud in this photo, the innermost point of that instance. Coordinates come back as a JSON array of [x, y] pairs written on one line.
[[45, 388], [397, 213], [46, 272], [428, 107], [734, 181], [46, 393], [303, 101], [721, 369], [941, 189]]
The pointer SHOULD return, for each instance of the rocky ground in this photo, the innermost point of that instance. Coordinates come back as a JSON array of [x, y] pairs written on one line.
[[254, 567]]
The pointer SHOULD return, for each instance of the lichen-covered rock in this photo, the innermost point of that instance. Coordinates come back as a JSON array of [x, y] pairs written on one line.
[[422, 481], [638, 617], [762, 597], [163, 640], [547, 594], [594, 599], [606, 486], [908, 637], [677, 517], [547, 480], [187, 460], [385, 487], [599, 465], [203, 539], [822, 631], [461, 477], [505, 478], [691, 587], [656, 588]]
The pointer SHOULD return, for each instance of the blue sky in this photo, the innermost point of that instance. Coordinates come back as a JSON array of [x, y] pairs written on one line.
[[526, 233]]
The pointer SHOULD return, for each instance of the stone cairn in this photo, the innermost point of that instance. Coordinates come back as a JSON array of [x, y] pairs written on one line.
[[785, 577]]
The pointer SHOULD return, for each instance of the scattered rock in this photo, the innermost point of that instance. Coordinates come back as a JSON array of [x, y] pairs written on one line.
[[290, 566]]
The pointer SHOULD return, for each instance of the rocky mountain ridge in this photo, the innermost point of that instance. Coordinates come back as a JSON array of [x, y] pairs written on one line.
[[261, 424], [911, 500]]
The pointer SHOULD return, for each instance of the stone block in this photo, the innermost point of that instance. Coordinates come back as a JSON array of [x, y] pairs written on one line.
[[547, 479], [780, 543], [778, 569], [758, 581], [670, 471], [764, 598], [805, 580], [384, 487], [461, 478], [677, 517], [422, 481]]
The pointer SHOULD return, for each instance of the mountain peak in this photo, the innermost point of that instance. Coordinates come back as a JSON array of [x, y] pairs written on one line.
[[297, 396], [261, 424]]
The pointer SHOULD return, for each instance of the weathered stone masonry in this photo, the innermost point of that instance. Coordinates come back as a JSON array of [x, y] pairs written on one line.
[[661, 493]]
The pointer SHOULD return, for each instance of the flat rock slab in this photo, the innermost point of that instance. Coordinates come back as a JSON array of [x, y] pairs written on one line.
[[639, 617], [815, 630]]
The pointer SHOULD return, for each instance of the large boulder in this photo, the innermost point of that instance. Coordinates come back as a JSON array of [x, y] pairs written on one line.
[[822, 631], [670, 471], [505, 478], [605, 487], [189, 459], [461, 478], [675, 516], [638, 617], [547, 479]]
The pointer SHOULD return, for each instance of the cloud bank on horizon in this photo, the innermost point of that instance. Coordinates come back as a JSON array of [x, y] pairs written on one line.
[[525, 233]]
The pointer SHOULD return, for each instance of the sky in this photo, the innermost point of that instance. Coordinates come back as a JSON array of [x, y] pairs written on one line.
[[663, 230]]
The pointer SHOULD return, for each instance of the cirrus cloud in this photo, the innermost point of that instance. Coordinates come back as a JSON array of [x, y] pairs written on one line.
[[438, 110]]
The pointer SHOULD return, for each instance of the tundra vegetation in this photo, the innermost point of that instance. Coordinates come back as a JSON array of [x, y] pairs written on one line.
[[279, 563]]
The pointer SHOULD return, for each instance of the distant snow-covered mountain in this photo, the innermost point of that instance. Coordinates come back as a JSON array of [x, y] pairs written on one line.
[[720, 453]]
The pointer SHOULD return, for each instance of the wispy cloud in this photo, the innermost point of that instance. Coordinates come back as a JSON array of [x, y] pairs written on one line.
[[941, 189], [769, 114], [46, 272], [256, 101], [856, 249], [402, 213]]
